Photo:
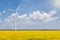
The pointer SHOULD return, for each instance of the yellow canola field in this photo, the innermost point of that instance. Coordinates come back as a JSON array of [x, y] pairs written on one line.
[[30, 35]]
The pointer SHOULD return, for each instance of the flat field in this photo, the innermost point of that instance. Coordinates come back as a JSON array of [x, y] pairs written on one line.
[[30, 35]]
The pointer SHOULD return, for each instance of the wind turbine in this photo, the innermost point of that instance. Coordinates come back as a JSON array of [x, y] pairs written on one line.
[[16, 17]]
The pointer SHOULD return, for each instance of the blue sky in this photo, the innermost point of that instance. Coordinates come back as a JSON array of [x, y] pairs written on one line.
[[30, 14]]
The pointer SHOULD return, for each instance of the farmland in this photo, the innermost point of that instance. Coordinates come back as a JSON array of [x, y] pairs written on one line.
[[30, 35]]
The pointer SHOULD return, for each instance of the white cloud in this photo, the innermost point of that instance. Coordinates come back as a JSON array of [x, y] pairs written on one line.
[[11, 17], [8, 20], [51, 13], [22, 17], [33, 17], [50, 19], [45, 17]]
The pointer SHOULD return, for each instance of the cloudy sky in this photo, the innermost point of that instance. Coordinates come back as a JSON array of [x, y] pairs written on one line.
[[29, 14]]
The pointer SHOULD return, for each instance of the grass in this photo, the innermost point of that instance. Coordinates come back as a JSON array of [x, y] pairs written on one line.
[[30, 35]]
